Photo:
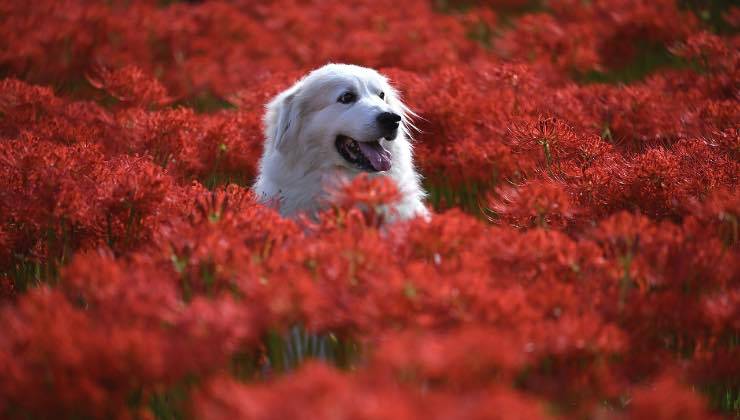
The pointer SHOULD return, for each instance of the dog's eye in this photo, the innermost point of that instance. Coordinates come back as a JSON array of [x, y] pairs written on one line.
[[347, 98], [382, 95]]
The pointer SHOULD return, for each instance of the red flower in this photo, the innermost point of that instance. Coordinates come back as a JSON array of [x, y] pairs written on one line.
[[131, 86]]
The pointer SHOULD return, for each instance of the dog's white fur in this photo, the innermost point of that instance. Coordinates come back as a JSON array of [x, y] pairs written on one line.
[[300, 161]]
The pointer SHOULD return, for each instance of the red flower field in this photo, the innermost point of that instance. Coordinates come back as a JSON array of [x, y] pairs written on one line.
[[583, 259]]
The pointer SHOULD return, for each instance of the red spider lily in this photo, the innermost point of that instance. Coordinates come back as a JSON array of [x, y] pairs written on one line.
[[375, 197], [130, 86], [325, 392], [650, 401], [534, 203]]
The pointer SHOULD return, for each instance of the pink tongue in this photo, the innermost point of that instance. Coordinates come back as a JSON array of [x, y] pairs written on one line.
[[378, 156]]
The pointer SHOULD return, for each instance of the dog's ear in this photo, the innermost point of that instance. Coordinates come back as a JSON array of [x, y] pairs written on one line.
[[282, 120]]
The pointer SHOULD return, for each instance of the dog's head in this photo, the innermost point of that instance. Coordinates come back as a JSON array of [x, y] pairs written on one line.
[[339, 115]]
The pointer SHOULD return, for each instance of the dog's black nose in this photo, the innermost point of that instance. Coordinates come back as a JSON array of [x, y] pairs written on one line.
[[388, 122]]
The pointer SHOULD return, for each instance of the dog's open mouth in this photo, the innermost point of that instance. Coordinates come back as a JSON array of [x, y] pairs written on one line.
[[366, 155]]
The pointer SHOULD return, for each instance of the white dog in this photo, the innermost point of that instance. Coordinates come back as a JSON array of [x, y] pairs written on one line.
[[334, 124]]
